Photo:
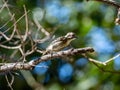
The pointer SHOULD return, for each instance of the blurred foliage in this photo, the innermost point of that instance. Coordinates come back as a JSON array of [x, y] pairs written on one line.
[[93, 22]]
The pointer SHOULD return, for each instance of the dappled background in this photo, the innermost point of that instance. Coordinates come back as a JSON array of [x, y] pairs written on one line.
[[93, 23]]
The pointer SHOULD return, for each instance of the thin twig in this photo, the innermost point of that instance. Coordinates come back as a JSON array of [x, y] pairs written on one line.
[[4, 5], [15, 22], [26, 21], [7, 21], [99, 63], [10, 47], [43, 31], [110, 2], [9, 84]]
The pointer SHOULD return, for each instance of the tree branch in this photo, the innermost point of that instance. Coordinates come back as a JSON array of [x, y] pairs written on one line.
[[101, 65], [110, 2], [30, 65]]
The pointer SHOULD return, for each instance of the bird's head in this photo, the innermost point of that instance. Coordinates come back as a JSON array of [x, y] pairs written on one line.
[[70, 35]]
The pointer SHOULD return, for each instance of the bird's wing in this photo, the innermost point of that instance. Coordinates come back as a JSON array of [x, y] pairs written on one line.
[[58, 39]]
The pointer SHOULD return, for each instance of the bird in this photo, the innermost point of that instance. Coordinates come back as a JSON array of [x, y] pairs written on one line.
[[60, 43]]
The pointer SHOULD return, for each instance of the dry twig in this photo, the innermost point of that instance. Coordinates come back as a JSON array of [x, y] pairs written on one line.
[[114, 4]]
